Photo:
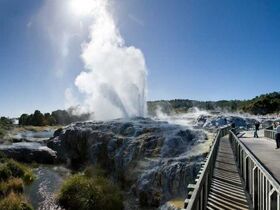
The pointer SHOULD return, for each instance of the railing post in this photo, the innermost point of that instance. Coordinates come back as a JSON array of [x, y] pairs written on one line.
[[206, 190], [255, 188], [247, 179], [273, 200]]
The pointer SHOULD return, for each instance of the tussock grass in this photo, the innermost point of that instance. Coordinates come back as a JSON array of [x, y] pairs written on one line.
[[14, 202], [11, 185], [13, 176]]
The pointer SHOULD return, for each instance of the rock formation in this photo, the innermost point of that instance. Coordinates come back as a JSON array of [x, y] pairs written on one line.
[[29, 152], [150, 158]]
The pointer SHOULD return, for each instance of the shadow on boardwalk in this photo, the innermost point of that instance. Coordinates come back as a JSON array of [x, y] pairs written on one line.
[[226, 191]]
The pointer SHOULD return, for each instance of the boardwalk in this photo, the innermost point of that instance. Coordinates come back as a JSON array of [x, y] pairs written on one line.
[[226, 191], [264, 150]]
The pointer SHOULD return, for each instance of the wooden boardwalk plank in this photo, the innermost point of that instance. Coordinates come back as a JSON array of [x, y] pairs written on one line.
[[226, 191]]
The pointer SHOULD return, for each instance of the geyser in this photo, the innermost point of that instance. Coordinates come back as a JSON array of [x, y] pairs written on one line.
[[114, 80]]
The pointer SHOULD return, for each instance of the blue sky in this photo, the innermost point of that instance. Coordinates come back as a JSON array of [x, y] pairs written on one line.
[[196, 49]]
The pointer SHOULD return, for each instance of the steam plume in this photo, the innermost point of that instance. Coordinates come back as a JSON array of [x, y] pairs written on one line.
[[114, 79]]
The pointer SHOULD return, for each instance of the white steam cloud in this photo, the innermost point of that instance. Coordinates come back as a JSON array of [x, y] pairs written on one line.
[[114, 80]]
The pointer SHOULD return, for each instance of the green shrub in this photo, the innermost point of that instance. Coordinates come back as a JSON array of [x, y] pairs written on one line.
[[10, 168], [3, 157], [5, 172], [20, 170], [112, 198], [13, 175], [14, 202], [16, 168], [86, 193], [2, 132], [5, 125]]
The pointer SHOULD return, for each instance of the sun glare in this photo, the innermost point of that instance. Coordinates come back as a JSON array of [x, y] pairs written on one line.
[[82, 7]]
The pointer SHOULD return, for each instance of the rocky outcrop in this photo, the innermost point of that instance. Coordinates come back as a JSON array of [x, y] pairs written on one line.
[[150, 158], [29, 152], [216, 121]]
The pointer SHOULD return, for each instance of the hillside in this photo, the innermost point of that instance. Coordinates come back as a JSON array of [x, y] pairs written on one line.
[[263, 104]]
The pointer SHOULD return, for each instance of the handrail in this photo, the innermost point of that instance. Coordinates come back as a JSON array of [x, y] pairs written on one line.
[[269, 133], [263, 188], [199, 195]]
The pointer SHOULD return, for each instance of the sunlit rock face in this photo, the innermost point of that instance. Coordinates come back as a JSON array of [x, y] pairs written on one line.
[[152, 159], [29, 152]]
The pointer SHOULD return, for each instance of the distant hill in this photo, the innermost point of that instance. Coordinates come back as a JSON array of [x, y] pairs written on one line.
[[263, 104]]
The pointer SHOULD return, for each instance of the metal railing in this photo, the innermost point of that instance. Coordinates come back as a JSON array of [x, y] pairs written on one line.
[[262, 187], [269, 133], [198, 194]]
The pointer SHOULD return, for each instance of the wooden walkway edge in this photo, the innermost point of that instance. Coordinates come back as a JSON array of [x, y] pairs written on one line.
[[226, 190]]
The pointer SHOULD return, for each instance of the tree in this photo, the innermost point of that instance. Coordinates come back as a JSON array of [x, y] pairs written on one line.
[[50, 120], [38, 119], [23, 119]]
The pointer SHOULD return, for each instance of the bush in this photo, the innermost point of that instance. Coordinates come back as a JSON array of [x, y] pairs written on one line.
[[3, 157], [14, 202], [2, 132], [111, 196], [10, 168], [16, 168], [20, 170], [5, 125], [5, 172], [12, 178], [86, 193]]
